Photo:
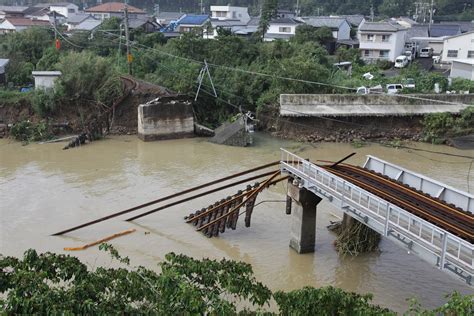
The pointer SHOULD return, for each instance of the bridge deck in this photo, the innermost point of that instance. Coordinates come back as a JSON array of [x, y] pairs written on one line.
[[422, 236]]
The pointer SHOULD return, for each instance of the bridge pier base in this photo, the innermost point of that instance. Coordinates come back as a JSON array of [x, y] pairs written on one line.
[[303, 218]]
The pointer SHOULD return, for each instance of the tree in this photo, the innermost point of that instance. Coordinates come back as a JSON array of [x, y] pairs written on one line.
[[307, 33], [269, 12]]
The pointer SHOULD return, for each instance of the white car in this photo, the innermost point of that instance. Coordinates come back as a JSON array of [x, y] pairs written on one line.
[[426, 52], [394, 88], [401, 61]]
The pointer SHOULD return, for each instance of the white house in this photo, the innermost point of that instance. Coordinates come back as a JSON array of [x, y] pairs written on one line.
[[228, 12], [45, 79], [381, 40], [458, 47], [340, 27], [284, 28], [462, 68], [64, 8], [9, 25]]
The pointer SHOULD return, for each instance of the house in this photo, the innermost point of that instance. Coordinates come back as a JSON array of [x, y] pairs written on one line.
[[12, 11], [283, 28], [231, 25], [466, 26], [9, 25], [417, 30], [165, 18], [250, 28], [355, 20], [285, 14], [439, 30], [82, 22], [228, 12], [462, 68], [381, 40], [64, 8], [114, 9], [44, 14], [148, 25], [340, 28], [3, 66], [191, 23], [45, 79], [458, 47]]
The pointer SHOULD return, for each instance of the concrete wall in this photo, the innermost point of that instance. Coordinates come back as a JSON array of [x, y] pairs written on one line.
[[462, 70], [461, 43], [344, 32], [370, 105], [166, 118]]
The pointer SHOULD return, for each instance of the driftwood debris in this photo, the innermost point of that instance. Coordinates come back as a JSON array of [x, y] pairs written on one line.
[[125, 232]]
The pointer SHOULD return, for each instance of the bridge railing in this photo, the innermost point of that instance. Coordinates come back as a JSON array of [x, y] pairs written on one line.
[[447, 250]]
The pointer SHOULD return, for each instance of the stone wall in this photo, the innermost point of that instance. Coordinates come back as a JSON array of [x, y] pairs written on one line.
[[166, 118]]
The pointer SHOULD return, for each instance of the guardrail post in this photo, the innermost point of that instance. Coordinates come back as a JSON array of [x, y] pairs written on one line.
[[387, 220], [443, 251]]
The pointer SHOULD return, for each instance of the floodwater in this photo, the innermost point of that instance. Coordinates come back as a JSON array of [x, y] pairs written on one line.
[[44, 189]]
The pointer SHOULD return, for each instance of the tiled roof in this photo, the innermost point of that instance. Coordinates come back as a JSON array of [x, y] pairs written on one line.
[[4, 62], [12, 9], [78, 18], [114, 7], [438, 30], [194, 19], [418, 30], [26, 22], [254, 21], [466, 26], [321, 21], [228, 23], [169, 15], [354, 20], [381, 27], [285, 21], [88, 25]]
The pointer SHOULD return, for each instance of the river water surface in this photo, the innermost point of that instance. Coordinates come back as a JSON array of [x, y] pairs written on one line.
[[44, 189]]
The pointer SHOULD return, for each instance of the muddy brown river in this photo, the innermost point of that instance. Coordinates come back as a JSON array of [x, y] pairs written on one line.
[[44, 189]]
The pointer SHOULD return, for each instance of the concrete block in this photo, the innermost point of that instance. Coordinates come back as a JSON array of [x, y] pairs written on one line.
[[166, 118], [303, 218]]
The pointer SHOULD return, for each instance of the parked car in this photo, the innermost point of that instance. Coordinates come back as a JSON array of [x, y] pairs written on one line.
[[401, 61], [394, 88], [409, 83], [426, 52], [410, 55], [372, 90]]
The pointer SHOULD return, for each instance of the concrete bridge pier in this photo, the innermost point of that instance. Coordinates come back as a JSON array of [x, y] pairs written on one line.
[[303, 218]]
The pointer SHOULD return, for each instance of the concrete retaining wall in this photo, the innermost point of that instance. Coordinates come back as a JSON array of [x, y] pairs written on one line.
[[166, 118], [371, 105]]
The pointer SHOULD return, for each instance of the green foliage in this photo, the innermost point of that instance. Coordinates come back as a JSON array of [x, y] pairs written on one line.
[[86, 76], [44, 101], [49, 59], [269, 11], [459, 84], [26, 131], [327, 301], [11, 97], [307, 33], [438, 127], [50, 283]]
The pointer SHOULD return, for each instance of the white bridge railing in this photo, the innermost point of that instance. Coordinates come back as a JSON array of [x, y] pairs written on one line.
[[432, 243]]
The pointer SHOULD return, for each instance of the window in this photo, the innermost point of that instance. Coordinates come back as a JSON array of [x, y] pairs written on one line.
[[71, 10], [385, 38], [284, 29], [221, 14], [452, 53], [470, 54], [366, 53], [370, 37], [383, 54]]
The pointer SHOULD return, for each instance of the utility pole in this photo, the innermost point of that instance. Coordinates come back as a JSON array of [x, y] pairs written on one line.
[[297, 11], [127, 42], [372, 13], [202, 8], [431, 13]]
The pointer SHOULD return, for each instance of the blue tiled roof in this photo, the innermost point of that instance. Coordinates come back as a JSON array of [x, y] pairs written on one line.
[[194, 19], [438, 30]]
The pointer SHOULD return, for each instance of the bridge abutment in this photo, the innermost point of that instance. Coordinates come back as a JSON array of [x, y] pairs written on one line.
[[303, 218]]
